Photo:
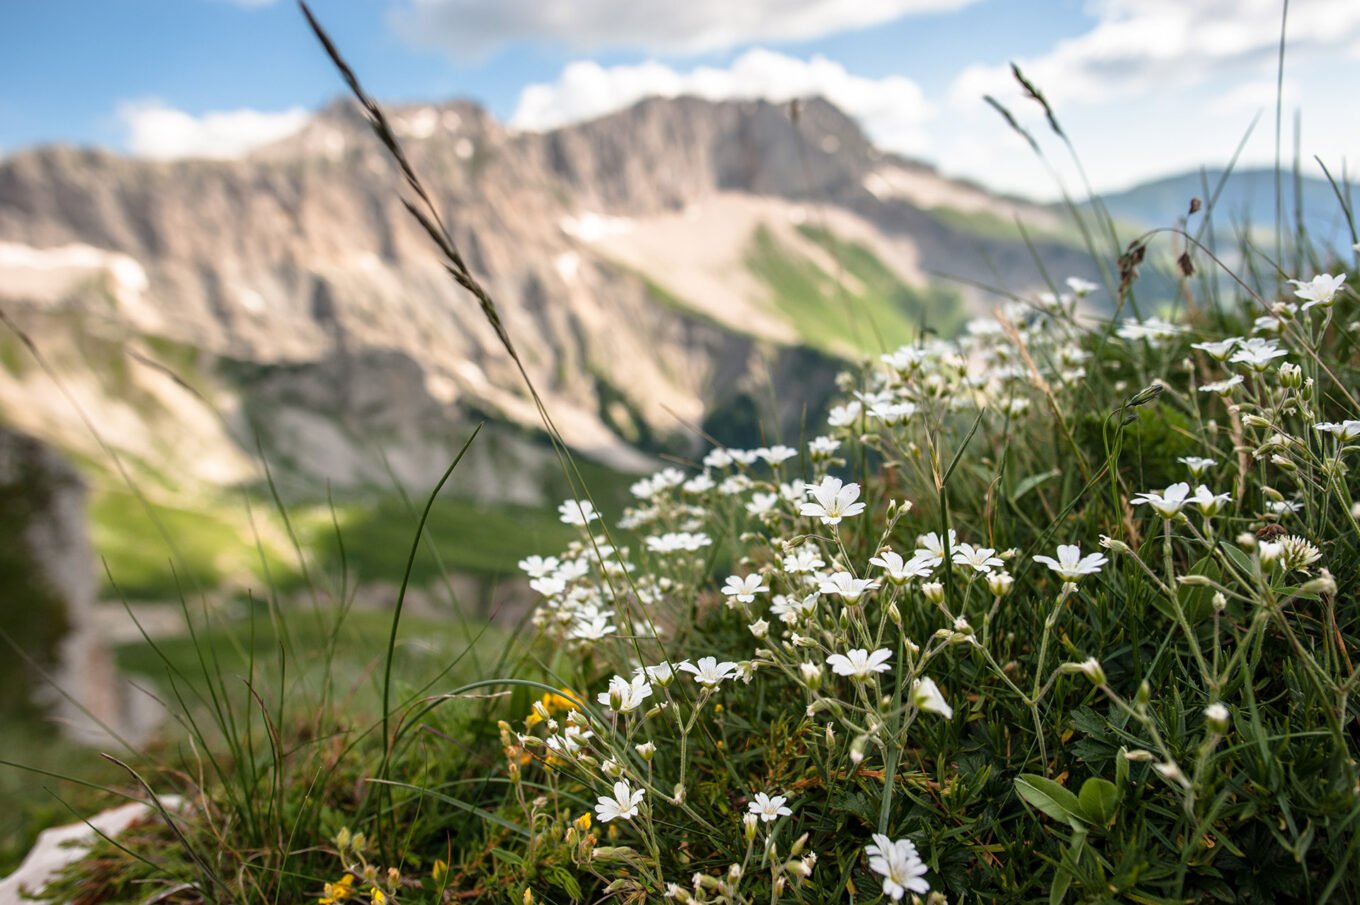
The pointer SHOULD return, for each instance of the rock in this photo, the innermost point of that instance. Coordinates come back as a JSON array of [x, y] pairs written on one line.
[[66, 672], [59, 846]]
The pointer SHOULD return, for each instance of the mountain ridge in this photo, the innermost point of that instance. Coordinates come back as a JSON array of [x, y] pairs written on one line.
[[301, 253]]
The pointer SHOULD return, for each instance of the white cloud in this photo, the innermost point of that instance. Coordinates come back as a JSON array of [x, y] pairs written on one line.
[[892, 110], [1139, 45], [1155, 87], [472, 27], [155, 130]]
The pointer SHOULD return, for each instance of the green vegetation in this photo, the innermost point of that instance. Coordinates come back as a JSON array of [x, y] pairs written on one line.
[[468, 537], [1065, 613], [169, 550], [864, 309]]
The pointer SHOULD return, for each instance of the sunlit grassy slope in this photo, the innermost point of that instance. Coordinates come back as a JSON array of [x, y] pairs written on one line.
[[866, 308]]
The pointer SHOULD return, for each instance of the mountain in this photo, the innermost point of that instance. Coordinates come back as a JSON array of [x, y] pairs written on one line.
[[661, 269], [1245, 198]]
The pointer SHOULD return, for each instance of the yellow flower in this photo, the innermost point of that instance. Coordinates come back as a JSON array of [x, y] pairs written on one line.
[[440, 871], [566, 700], [379, 897], [583, 822], [338, 892]]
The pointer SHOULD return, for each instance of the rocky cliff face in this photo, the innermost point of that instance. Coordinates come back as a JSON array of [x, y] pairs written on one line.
[[620, 252]]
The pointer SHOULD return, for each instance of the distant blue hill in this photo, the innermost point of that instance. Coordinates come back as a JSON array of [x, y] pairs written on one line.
[[1247, 199]]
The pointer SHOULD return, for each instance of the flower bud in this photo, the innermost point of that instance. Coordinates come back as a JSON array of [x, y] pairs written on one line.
[[748, 826], [1113, 545], [812, 675], [1216, 718], [1324, 584], [933, 591], [1089, 667], [646, 751], [1284, 464], [857, 749], [1291, 376]]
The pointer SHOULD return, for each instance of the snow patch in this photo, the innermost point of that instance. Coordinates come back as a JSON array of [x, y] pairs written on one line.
[[418, 125], [592, 227], [51, 275], [568, 264]]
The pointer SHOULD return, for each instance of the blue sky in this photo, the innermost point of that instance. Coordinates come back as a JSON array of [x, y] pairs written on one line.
[[1145, 87]]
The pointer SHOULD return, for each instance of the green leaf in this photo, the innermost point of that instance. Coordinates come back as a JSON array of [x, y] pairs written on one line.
[[1032, 482], [1066, 870], [1240, 559], [1099, 800], [1198, 602], [1049, 797]]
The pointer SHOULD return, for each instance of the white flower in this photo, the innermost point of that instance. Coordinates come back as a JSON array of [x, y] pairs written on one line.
[[578, 513], [775, 455], [1218, 350], [733, 485], [1207, 501], [593, 628], [1197, 464], [1257, 353], [832, 501], [846, 586], [548, 586], [805, 559], [717, 458], [1168, 502], [1222, 387], [1345, 431], [899, 865], [823, 447], [790, 609], [762, 503], [1321, 290], [898, 570], [982, 559], [768, 808], [859, 663], [930, 547], [538, 567], [698, 484], [1081, 288], [679, 541], [662, 673], [1154, 330], [744, 590], [1071, 565], [925, 694], [743, 456], [844, 415], [1297, 553], [571, 740], [625, 696], [709, 671], [623, 805]]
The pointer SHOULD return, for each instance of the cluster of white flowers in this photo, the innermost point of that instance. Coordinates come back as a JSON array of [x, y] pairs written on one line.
[[831, 623]]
